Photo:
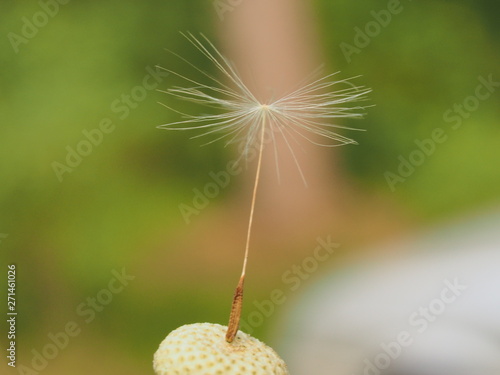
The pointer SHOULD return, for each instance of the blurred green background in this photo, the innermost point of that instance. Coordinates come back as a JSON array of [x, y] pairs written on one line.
[[118, 208]]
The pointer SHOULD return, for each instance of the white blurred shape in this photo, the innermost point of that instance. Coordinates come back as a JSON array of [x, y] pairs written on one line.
[[340, 324]]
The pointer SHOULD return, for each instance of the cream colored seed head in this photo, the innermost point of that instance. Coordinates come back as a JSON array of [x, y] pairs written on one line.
[[201, 348]]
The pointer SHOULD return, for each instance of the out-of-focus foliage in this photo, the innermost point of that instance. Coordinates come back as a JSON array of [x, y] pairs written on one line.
[[427, 59]]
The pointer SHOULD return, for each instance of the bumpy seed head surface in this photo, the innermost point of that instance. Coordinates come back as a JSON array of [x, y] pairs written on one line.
[[201, 348]]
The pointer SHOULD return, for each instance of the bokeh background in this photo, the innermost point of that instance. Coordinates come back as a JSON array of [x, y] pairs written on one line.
[[119, 207]]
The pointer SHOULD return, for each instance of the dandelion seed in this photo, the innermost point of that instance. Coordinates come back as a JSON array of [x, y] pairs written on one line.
[[304, 114]]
